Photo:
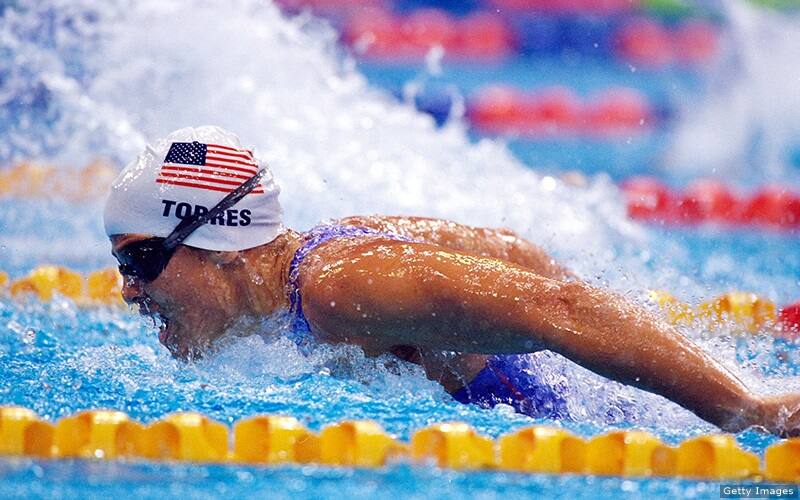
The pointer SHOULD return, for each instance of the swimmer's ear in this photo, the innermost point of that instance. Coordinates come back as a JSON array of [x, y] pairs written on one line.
[[223, 258]]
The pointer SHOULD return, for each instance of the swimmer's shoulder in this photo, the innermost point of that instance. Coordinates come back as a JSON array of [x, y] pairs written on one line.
[[443, 232], [382, 222], [410, 226]]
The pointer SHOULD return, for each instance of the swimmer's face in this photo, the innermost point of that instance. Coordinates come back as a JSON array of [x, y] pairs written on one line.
[[191, 296]]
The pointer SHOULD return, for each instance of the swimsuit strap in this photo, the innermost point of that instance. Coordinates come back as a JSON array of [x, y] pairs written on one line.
[[497, 365], [315, 237]]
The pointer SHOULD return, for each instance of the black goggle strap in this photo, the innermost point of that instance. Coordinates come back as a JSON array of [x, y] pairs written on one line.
[[188, 225]]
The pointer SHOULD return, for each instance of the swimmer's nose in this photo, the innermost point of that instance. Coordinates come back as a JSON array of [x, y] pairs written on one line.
[[132, 290]]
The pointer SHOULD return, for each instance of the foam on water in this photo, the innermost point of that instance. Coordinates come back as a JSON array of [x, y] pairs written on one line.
[[91, 79]]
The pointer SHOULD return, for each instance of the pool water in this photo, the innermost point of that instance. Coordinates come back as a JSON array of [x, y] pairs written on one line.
[[75, 479], [94, 84]]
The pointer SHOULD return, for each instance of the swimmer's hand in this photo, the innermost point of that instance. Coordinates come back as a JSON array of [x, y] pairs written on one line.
[[780, 414]]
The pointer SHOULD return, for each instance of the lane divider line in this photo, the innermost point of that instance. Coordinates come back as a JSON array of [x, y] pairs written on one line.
[[272, 439]]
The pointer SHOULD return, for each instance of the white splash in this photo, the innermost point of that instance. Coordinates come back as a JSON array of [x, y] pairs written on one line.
[[748, 118]]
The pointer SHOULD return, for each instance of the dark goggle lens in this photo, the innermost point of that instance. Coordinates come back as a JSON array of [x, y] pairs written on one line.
[[144, 259]]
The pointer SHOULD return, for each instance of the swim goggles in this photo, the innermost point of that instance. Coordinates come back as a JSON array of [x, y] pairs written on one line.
[[146, 259]]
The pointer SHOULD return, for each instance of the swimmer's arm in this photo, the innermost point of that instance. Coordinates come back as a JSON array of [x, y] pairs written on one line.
[[484, 242], [417, 295]]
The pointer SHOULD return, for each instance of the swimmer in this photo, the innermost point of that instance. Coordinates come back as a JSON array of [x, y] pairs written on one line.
[[196, 226]]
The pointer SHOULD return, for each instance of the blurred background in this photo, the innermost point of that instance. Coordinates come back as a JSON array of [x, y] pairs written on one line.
[[671, 88], [690, 106], [653, 146]]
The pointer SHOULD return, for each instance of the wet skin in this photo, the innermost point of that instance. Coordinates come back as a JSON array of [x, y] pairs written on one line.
[[471, 290]]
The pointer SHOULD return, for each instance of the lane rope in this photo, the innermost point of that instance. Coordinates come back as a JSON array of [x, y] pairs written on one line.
[[706, 201], [271, 439]]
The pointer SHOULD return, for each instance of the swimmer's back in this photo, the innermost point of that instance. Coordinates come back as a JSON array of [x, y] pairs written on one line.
[[499, 243]]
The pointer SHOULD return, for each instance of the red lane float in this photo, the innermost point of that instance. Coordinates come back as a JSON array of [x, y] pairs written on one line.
[[774, 206], [427, 28], [485, 36], [707, 199], [647, 198], [696, 42], [710, 201], [379, 34], [498, 109], [595, 7], [557, 110], [374, 31], [648, 43], [617, 110], [644, 42], [789, 319]]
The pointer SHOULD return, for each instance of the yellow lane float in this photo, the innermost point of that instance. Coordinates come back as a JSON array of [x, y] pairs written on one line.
[[23, 434], [104, 286], [453, 444], [360, 443], [269, 439], [542, 449], [44, 281], [629, 453], [99, 287], [274, 439], [34, 180], [782, 461], [97, 434], [184, 436], [715, 457], [744, 310], [677, 312]]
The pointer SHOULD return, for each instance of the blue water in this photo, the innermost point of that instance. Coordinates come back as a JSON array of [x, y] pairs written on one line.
[[103, 480], [89, 82], [64, 360]]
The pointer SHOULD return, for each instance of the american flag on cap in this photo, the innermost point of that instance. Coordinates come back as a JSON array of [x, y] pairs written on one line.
[[208, 166]]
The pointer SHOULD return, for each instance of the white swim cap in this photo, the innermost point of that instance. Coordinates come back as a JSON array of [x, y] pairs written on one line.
[[188, 171]]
